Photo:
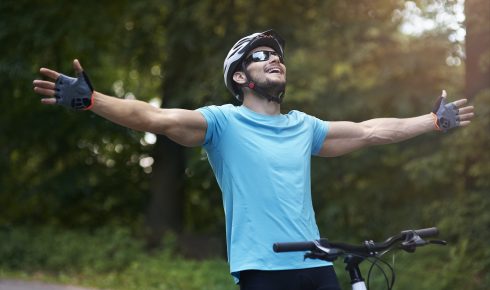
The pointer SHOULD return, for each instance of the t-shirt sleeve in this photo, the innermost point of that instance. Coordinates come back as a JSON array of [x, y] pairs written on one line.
[[320, 132], [216, 120]]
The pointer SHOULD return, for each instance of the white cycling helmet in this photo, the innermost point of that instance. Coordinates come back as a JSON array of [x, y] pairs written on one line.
[[240, 50]]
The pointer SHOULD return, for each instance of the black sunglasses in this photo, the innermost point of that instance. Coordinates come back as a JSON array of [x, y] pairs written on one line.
[[263, 55]]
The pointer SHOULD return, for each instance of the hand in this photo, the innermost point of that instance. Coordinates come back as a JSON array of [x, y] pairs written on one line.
[[75, 93], [448, 116]]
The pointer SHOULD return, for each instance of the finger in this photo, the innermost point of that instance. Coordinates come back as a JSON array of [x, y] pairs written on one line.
[[460, 102], [48, 101], [45, 92], [466, 117], [77, 66], [466, 110], [44, 84], [444, 94], [49, 73], [464, 123]]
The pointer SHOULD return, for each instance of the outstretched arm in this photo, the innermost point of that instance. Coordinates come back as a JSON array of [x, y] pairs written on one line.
[[185, 127], [345, 137]]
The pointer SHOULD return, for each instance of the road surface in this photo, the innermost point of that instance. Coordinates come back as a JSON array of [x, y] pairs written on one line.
[[24, 285]]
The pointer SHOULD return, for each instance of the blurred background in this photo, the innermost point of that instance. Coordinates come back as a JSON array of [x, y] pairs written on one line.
[[87, 202]]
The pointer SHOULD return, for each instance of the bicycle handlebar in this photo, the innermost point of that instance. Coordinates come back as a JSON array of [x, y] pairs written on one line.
[[427, 233], [355, 254], [409, 239], [293, 247]]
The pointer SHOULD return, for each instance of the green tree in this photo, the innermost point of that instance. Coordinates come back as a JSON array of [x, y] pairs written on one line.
[[477, 47], [56, 166]]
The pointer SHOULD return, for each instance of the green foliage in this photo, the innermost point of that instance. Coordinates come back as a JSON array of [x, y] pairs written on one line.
[[55, 250], [163, 273], [109, 258], [56, 166], [461, 211]]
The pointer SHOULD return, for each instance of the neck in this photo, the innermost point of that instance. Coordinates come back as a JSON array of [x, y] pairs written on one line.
[[261, 105]]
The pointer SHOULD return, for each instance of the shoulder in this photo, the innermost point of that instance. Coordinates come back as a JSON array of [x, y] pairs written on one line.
[[295, 114], [214, 111], [313, 122], [302, 116], [218, 108]]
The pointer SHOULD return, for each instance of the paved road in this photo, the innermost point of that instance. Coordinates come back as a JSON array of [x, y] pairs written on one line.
[[23, 285]]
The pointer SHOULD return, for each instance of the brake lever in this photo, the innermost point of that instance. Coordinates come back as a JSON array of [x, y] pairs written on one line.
[[411, 244], [319, 255], [416, 241], [323, 252], [438, 242]]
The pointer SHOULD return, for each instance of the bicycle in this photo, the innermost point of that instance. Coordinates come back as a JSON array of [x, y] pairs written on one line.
[[353, 255]]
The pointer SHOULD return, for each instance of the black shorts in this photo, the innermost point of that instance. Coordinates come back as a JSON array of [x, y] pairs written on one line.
[[320, 278]]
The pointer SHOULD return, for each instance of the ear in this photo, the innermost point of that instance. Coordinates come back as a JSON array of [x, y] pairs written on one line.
[[239, 77]]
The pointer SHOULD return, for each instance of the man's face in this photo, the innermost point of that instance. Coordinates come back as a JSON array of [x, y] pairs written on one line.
[[270, 74]]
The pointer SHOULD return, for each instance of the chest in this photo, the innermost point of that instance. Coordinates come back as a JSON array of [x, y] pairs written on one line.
[[257, 146]]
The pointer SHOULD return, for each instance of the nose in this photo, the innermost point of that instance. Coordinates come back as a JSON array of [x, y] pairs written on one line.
[[275, 58]]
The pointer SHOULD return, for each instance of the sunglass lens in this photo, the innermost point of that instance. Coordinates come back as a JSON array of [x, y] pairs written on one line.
[[260, 56], [263, 55]]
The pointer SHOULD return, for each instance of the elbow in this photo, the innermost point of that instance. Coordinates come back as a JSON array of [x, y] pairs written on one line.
[[161, 123]]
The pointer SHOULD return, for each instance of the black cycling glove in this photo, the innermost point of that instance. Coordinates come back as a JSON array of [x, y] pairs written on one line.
[[446, 116], [74, 93]]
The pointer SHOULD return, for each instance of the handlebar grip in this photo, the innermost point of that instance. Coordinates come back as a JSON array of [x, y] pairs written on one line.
[[293, 247], [428, 232]]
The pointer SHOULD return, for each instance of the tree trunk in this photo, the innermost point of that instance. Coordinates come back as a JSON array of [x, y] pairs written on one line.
[[166, 208], [165, 211], [477, 46]]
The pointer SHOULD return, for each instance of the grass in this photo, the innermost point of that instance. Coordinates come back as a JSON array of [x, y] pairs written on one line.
[[104, 259], [156, 272]]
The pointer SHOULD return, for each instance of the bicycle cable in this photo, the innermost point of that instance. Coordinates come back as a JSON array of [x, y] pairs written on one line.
[[389, 285]]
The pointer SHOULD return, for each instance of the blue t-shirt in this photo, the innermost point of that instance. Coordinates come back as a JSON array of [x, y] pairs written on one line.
[[262, 165]]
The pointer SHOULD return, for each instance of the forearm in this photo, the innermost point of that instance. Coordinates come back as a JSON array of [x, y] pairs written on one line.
[[345, 137], [392, 130], [133, 114]]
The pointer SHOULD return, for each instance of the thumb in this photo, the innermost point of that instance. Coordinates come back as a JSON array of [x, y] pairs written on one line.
[[77, 66], [441, 101]]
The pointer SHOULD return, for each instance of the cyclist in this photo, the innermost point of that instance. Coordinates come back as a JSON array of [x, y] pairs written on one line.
[[260, 157]]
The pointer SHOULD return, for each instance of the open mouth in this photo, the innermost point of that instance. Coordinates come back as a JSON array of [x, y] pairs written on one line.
[[273, 70]]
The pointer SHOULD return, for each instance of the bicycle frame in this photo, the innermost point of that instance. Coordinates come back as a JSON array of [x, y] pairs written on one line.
[[352, 266]]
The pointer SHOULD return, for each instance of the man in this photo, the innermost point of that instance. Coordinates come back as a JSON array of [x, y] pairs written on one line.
[[260, 157]]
